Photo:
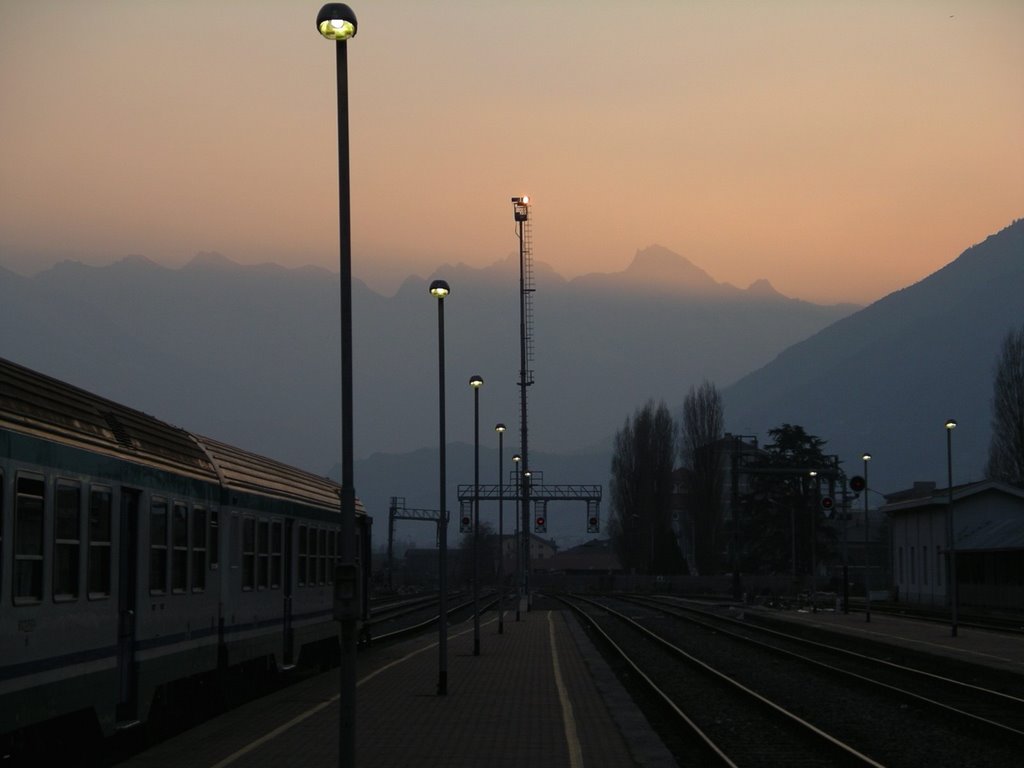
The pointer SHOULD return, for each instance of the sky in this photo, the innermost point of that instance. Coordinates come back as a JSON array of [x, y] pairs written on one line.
[[842, 149]]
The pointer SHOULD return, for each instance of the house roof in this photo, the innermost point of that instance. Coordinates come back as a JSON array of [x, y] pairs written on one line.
[[940, 496], [993, 535]]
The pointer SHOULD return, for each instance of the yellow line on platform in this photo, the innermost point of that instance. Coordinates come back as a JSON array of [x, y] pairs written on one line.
[[571, 737], [313, 710]]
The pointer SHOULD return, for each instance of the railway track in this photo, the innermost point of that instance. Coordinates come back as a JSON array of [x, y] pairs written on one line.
[[775, 701], [996, 705], [726, 721]]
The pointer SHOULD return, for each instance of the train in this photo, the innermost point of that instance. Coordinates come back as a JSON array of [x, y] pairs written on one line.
[[136, 556]]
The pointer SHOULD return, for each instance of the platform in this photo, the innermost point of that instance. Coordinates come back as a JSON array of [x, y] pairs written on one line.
[[539, 695], [999, 650]]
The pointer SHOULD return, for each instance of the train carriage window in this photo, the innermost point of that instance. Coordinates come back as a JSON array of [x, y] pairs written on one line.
[[158, 546], [198, 549], [67, 540], [98, 568], [179, 551], [331, 556], [321, 561], [214, 540], [263, 569], [28, 541], [248, 553], [1, 533], [311, 569], [302, 555], [275, 554]]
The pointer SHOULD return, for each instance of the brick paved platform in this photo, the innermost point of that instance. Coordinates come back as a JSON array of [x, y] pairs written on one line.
[[538, 695]]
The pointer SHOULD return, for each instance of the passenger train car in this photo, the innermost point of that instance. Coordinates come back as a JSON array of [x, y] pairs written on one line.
[[134, 555]]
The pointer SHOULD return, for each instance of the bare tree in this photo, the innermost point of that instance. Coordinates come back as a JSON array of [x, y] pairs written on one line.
[[641, 491], [701, 429], [1006, 448]]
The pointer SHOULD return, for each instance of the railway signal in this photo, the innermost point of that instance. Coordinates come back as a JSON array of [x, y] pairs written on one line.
[[465, 524], [857, 483], [828, 503], [593, 524], [540, 524]]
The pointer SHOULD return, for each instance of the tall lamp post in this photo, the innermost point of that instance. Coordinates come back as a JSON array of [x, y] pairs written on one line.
[[516, 458], [521, 213], [336, 21], [500, 429], [439, 289], [476, 382], [867, 587], [950, 529], [814, 538]]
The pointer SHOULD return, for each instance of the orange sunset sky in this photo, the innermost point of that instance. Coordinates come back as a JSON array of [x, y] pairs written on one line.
[[840, 148]]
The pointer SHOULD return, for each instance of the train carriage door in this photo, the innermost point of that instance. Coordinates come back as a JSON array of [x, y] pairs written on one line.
[[286, 587], [126, 610]]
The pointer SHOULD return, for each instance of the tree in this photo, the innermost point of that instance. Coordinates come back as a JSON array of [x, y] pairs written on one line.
[[1006, 447], [486, 553], [783, 508], [703, 476], [641, 492]]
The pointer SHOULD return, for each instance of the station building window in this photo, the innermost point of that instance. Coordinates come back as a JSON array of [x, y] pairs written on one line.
[[158, 547], [98, 568], [28, 540]]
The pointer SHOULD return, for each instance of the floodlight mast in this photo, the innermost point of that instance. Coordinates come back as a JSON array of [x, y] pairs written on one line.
[[521, 213]]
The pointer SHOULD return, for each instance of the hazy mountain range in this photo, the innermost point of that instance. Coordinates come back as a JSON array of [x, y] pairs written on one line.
[[885, 379], [249, 355]]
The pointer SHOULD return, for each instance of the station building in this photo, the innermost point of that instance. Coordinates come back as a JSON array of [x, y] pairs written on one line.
[[988, 536]]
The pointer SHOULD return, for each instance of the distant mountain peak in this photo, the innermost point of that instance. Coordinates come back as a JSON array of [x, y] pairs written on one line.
[[763, 288], [211, 260], [137, 260], [657, 264]]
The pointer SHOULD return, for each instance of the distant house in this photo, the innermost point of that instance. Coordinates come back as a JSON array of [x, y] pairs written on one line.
[[988, 533], [594, 557], [541, 551]]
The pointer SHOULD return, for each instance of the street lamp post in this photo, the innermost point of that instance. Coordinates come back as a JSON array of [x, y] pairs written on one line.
[[476, 382], [814, 536], [336, 21], [440, 289], [867, 587], [516, 458], [951, 530], [500, 429]]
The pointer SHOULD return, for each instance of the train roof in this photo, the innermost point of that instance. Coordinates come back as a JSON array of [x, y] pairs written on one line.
[[34, 404], [248, 472]]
